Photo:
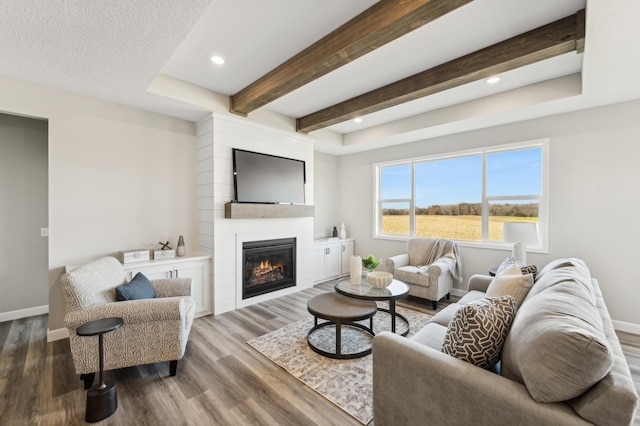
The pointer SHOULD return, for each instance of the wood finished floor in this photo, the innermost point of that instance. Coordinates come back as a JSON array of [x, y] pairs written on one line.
[[221, 380]]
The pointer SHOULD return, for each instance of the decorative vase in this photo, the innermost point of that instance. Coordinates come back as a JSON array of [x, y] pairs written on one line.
[[343, 232], [181, 249], [355, 269], [335, 232]]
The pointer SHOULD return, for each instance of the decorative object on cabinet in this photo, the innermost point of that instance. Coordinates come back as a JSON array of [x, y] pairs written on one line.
[[343, 232], [165, 246], [181, 249], [163, 254], [335, 232], [131, 256], [355, 269]]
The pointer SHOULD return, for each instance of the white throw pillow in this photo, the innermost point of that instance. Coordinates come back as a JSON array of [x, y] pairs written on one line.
[[511, 282]]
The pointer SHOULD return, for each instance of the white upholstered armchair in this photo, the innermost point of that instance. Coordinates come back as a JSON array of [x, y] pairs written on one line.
[[154, 330], [429, 268]]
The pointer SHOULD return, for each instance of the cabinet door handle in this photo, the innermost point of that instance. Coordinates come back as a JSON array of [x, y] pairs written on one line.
[[176, 273], [343, 248]]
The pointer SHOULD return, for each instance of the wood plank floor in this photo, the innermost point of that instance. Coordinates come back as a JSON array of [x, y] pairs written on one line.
[[221, 380]]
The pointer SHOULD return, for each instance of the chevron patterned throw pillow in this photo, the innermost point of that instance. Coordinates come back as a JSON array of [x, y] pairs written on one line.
[[478, 330]]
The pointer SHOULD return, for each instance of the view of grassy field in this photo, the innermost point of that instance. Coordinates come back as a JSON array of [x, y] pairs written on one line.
[[452, 227]]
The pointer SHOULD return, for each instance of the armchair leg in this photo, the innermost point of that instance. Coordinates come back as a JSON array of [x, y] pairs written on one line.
[[435, 305], [173, 367], [448, 296], [87, 379]]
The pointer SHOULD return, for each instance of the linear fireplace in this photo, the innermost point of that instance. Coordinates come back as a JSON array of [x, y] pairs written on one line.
[[267, 266]]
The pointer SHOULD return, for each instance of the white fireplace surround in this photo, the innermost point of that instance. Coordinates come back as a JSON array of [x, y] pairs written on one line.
[[253, 236], [222, 237]]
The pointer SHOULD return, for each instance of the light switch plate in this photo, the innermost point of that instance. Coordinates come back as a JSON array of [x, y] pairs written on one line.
[[44, 232]]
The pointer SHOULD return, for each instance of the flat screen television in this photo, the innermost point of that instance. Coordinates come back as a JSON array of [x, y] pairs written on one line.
[[268, 179]]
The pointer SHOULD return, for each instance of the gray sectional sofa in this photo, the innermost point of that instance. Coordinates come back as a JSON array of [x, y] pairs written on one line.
[[561, 363]]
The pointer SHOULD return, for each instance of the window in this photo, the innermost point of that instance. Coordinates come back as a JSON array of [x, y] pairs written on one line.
[[465, 196]]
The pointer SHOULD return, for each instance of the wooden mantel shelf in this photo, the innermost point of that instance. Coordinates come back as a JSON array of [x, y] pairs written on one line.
[[259, 211]]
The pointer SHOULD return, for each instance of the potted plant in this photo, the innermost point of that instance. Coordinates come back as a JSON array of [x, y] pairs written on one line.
[[370, 263]]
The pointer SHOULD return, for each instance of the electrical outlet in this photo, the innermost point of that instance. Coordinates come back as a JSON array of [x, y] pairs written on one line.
[[44, 232]]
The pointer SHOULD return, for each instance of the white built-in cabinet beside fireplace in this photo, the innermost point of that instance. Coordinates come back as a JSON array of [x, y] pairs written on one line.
[[331, 258], [196, 267]]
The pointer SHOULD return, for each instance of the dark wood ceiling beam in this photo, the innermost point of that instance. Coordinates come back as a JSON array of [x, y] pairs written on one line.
[[385, 21], [551, 40]]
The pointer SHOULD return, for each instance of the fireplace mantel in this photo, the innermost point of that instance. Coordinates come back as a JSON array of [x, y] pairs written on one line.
[[262, 211]]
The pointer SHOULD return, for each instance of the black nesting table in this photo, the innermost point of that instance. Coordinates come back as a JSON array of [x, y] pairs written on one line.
[[339, 310], [102, 399]]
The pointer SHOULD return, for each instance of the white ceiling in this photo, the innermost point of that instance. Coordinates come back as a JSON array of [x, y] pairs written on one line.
[[115, 50]]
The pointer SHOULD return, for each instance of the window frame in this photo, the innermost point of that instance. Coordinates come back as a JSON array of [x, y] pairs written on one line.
[[543, 198]]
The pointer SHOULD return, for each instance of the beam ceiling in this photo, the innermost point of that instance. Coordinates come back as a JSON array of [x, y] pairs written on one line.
[[557, 38], [385, 21]]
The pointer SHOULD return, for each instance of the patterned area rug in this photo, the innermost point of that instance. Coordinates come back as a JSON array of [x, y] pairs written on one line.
[[346, 383]]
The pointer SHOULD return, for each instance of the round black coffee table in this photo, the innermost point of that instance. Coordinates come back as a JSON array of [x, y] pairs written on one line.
[[339, 310], [102, 399], [365, 291]]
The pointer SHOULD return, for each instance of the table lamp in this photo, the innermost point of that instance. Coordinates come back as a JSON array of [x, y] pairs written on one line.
[[520, 234]]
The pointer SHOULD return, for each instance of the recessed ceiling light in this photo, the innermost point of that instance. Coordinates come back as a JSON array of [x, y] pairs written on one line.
[[358, 119], [217, 60], [493, 80]]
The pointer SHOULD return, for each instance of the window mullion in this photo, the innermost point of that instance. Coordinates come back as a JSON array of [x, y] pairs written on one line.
[[412, 203]]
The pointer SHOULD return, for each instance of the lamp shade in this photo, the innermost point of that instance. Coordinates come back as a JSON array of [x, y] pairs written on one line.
[[520, 232]]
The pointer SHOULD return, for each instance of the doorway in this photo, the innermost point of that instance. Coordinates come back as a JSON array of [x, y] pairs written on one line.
[[24, 215]]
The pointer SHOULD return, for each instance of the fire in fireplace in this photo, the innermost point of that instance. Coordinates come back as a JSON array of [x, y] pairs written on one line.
[[268, 265]]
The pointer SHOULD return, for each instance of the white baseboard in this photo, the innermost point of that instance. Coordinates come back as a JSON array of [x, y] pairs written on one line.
[[626, 327], [57, 334], [24, 313], [458, 292]]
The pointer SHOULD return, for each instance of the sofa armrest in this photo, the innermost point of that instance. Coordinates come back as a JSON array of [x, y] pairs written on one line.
[[395, 262], [131, 311], [172, 287], [479, 282], [414, 384]]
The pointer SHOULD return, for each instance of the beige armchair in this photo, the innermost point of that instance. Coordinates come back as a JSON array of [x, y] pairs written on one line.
[[429, 268], [154, 330]]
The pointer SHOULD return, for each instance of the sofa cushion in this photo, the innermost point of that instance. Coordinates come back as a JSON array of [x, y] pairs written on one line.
[[556, 346], [478, 329], [431, 335], [444, 316], [511, 282], [138, 288], [472, 296]]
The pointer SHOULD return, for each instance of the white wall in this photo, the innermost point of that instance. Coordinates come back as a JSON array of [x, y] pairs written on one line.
[[24, 259], [326, 195], [119, 178], [594, 196]]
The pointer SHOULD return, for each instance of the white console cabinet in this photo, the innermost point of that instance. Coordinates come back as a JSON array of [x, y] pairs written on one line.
[[198, 268], [331, 258]]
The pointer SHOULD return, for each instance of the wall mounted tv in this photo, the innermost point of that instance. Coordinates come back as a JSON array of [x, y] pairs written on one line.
[[267, 179]]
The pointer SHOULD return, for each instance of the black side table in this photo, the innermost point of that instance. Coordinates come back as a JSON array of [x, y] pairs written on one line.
[[102, 399]]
